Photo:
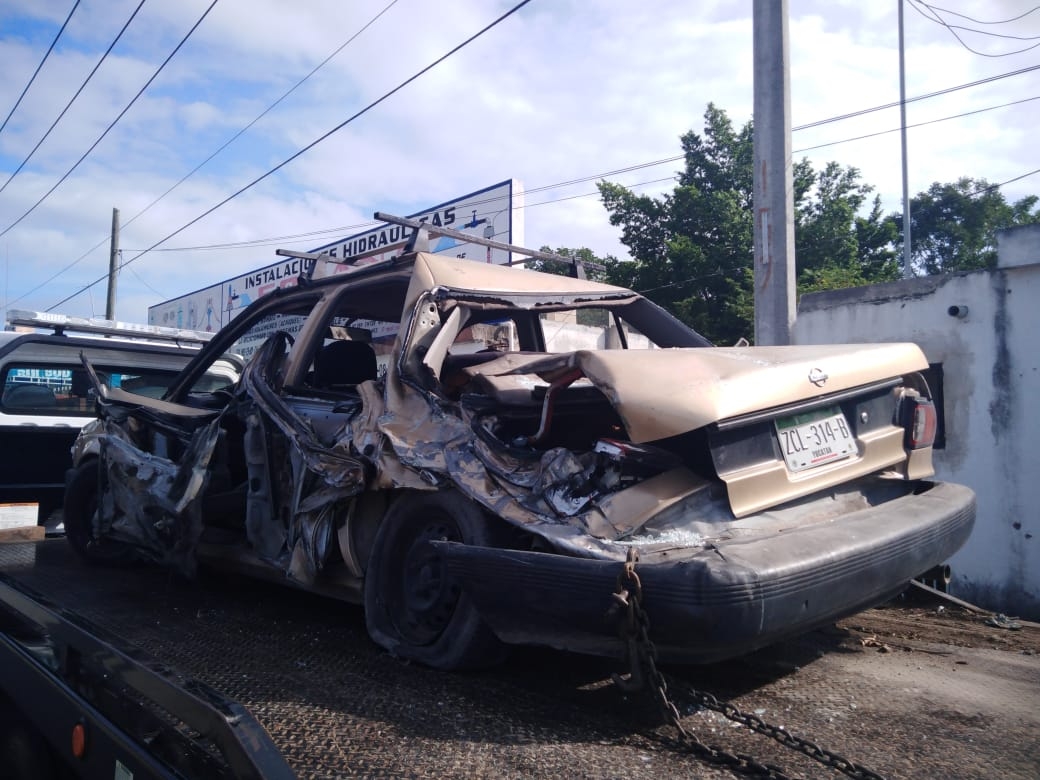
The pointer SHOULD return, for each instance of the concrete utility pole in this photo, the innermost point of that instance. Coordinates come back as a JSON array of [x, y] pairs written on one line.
[[113, 267], [773, 178], [908, 270]]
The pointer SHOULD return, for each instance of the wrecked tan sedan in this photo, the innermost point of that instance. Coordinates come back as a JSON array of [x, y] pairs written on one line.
[[472, 452]]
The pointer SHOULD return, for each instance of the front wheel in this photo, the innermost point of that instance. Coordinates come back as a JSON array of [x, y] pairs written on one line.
[[413, 607], [81, 500]]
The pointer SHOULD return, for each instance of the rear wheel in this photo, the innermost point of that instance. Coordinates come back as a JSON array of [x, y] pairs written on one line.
[[81, 499], [413, 607]]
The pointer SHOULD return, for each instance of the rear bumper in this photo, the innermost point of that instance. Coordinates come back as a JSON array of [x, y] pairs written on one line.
[[726, 601]]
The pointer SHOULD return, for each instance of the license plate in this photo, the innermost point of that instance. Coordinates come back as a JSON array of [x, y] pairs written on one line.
[[814, 438]]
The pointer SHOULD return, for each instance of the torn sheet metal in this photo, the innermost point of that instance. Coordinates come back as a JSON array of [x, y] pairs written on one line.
[[152, 502], [704, 385]]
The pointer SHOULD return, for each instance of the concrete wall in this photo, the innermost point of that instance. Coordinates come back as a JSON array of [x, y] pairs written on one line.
[[984, 328]]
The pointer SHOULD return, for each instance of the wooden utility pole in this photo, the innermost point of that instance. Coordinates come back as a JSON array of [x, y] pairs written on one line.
[[113, 267], [773, 178]]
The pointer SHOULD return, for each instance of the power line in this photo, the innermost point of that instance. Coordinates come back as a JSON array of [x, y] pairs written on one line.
[[263, 113], [991, 187], [609, 173], [266, 241], [114, 121], [301, 237], [40, 66], [979, 21], [918, 124], [946, 91], [204, 162], [308, 147], [298, 237], [942, 22], [939, 20], [73, 99]]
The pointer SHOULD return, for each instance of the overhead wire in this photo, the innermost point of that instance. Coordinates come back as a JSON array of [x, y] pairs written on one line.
[[916, 124], [817, 123], [300, 237], [261, 242], [72, 100], [935, 17], [217, 152], [308, 147], [937, 93], [264, 113], [1034, 9], [39, 67], [991, 187], [114, 121]]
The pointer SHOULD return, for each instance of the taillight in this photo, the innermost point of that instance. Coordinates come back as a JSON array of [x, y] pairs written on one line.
[[921, 422]]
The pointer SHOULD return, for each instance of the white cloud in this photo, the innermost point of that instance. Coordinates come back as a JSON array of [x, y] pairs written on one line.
[[562, 90]]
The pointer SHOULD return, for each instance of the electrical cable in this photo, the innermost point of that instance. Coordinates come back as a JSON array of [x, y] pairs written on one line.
[[610, 173], [306, 148], [939, 20], [917, 124], [305, 237], [300, 237], [204, 162], [991, 187], [935, 17], [39, 67], [73, 99], [114, 121], [979, 21], [937, 93], [260, 242], [263, 113]]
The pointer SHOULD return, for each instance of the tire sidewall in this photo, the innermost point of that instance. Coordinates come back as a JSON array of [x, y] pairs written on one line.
[[465, 642]]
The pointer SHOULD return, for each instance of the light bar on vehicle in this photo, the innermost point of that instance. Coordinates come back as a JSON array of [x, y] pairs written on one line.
[[62, 323]]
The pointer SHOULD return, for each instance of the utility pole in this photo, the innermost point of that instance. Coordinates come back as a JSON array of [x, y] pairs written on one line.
[[773, 177], [113, 267], [907, 268]]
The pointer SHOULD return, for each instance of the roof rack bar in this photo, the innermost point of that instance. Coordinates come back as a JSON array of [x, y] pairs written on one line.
[[577, 264], [307, 272], [437, 230]]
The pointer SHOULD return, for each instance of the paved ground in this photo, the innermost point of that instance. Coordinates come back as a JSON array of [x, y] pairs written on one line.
[[909, 690]]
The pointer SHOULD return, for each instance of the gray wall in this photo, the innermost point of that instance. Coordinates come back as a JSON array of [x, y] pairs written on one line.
[[984, 328]]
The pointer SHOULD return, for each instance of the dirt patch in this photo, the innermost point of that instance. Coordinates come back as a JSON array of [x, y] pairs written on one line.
[[930, 624]]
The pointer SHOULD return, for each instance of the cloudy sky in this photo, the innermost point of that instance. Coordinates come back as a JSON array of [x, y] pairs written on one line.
[[562, 90]]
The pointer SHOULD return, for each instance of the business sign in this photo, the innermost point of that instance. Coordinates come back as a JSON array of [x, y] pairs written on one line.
[[494, 212]]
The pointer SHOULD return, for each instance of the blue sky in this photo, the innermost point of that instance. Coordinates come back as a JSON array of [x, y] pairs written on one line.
[[562, 90]]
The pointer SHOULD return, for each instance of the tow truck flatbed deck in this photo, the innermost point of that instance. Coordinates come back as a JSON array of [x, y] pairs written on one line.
[[882, 688]]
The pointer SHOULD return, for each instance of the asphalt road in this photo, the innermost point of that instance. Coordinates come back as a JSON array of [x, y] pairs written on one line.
[[909, 690]]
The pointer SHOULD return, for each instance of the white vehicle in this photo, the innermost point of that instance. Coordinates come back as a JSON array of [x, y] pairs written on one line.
[[46, 397]]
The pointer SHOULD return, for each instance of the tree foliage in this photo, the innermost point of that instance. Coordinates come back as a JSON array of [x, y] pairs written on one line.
[[693, 247], [595, 267], [953, 226]]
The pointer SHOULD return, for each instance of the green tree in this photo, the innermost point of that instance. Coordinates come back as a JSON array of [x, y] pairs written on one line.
[[595, 266], [953, 226], [693, 247]]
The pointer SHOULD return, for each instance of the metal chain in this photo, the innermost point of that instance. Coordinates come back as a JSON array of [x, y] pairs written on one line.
[[644, 676]]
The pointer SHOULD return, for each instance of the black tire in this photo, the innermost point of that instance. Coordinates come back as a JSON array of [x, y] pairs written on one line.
[[80, 505], [412, 606]]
